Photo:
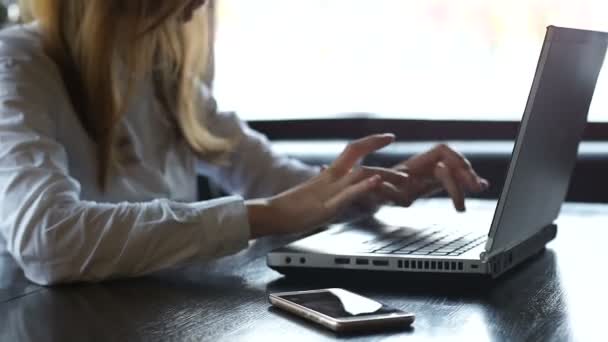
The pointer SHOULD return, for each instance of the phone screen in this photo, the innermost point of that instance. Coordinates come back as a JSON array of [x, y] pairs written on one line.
[[338, 303]]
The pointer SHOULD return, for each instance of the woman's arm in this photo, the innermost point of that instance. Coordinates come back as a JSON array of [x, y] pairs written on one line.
[[57, 237], [255, 170]]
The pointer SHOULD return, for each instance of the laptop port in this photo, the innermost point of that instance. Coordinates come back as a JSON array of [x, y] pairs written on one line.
[[342, 261], [362, 262], [288, 260], [380, 262], [302, 260]]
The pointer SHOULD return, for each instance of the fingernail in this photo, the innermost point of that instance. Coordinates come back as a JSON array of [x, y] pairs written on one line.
[[484, 184]]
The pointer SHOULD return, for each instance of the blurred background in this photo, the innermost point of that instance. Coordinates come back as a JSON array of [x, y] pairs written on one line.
[[314, 74], [406, 59], [421, 59]]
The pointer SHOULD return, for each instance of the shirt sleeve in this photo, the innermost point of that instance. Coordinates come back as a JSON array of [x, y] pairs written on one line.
[[54, 235], [254, 170]]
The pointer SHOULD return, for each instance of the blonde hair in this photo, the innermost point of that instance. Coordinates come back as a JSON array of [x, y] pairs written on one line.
[[106, 48]]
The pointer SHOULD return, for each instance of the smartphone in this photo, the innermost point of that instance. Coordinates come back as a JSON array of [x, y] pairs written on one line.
[[341, 310]]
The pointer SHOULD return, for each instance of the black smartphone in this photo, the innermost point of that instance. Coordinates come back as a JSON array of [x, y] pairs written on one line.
[[341, 310]]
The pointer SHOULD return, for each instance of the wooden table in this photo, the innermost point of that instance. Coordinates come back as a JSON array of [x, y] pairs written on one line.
[[559, 295]]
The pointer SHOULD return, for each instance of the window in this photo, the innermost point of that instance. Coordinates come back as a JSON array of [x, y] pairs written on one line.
[[418, 59]]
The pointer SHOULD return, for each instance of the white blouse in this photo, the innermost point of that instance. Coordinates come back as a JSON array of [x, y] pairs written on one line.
[[60, 227]]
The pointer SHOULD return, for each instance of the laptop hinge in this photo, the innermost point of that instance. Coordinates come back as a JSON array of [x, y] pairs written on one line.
[[490, 252], [500, 261]]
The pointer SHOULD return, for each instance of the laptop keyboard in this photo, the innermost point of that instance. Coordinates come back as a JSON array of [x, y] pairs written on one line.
[[427, 242]]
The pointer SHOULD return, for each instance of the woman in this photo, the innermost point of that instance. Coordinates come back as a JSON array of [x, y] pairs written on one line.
[[105, 120]]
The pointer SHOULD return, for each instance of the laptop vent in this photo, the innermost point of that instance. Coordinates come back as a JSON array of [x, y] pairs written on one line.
[[431, 265]]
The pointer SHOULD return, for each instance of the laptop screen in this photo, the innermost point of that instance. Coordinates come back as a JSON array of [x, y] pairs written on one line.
[[547, 143]]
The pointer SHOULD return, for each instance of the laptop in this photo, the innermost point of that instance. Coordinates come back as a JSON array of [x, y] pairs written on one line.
[[536, 184]]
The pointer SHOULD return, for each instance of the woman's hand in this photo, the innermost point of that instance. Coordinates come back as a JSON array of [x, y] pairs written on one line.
[[321, 199], [343, 184], [439, 169]]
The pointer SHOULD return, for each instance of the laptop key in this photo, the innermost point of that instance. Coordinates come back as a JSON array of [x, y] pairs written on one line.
[[425, 251], [445, 249], [434, 245], [423, 243], [384, 251], [407, 249]]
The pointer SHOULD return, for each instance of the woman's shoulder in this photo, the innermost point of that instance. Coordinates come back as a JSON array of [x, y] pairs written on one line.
[[22, 53], [21, 33], [31, 87], [21, 41]]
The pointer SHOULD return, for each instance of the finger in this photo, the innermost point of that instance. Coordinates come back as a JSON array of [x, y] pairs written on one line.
[[351, 193], [426, 188], [397, 196], [370, 202], [442, 152], [356, 175], [447, 154], [358, 149], [459, 166], [424, 162], [464, 174], [462, 170], [396, 178], [394, 187], [442, 173], [470, 180]]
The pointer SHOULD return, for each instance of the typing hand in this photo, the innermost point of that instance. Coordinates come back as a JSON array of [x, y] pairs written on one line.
[[439, 169], [321, 199]]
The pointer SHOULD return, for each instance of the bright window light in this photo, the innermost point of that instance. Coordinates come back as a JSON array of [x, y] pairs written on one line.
[[430, 59]]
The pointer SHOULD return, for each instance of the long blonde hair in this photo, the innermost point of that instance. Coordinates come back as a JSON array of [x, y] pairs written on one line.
[[105, 48]]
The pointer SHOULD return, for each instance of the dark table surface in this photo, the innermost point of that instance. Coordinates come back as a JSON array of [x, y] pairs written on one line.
[[558, 295]]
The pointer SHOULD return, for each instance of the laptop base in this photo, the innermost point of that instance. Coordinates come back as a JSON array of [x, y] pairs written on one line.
[[289, 260]]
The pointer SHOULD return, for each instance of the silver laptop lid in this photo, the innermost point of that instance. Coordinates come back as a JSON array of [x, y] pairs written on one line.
[[546, 148]]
